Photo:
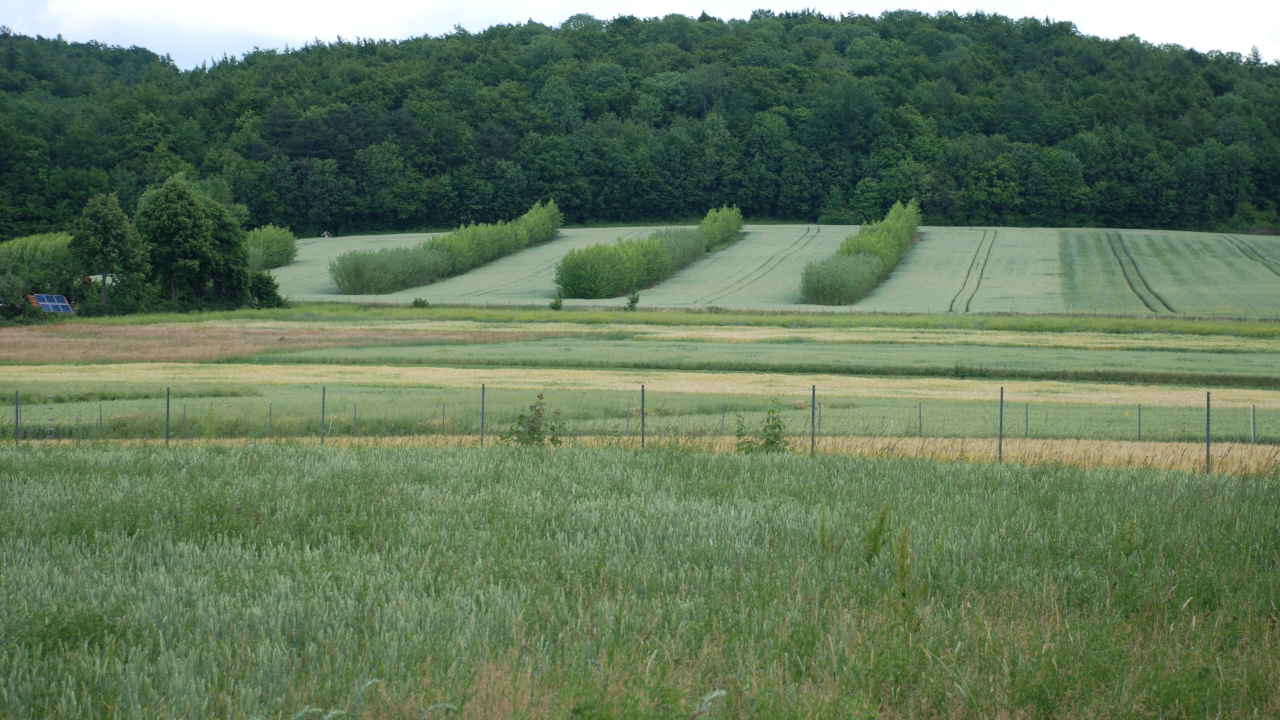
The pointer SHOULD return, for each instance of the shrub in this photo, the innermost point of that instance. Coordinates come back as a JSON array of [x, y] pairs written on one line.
[[863, 260], [43, 262], [888, 239], [604, 271], [535, 428], [721, 225], [370, 272], [264, 291], [840, 279], [12, 295], [277, 245], [772, 438], [471, 246], [684, 245]]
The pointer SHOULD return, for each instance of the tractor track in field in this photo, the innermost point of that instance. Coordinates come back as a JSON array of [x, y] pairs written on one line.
[[1130, 270], [989, 240], [1251, 253], [802, 242]]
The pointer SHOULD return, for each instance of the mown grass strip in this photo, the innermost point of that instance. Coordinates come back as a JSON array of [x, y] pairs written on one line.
[[353, 312]]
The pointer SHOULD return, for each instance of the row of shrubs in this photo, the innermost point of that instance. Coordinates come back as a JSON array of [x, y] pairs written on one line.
[[863, 260], [377, 272], [605, 271]]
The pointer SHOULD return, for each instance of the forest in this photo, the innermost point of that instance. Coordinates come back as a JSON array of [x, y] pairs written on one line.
[[986, 120]]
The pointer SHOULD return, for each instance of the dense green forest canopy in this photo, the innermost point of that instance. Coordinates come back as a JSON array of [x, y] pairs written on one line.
[[985, 119]]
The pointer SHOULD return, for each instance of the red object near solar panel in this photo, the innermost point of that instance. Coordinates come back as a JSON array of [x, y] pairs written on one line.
[[52, 303]]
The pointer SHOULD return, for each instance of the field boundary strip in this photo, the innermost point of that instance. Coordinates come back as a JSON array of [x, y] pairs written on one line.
[[1251, 253], [1129, 268], [774, 260], [1229, 458], [988, 240]]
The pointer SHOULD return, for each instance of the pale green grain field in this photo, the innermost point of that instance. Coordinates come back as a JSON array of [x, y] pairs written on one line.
[[951, 270], [290, 582]]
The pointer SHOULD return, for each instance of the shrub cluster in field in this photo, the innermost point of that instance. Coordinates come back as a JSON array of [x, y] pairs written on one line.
[[604, 271], [863, 260], [270, 247], [721, 225], [369, 272]]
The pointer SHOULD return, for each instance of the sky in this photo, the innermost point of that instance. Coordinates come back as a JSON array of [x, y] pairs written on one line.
[[195, 32]]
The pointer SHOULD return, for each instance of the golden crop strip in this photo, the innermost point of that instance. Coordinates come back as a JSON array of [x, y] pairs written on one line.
[[657, 381]]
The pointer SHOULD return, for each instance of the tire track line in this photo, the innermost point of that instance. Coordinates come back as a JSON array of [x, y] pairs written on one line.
[[1251, 253], [981, 271], [969, 276], [1138, 271], [1130, 271], [802, 242]]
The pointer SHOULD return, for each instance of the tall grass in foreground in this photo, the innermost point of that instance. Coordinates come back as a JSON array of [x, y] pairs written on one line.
[[281, 581]]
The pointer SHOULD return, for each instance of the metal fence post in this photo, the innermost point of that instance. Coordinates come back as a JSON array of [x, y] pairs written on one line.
[[641, 417], [271, 424], [444, 409], [813, 420], [322, 399], [724, 408], [1208, 416], [481, 414], [920, 420], [100, 435], [1253, 425], [355, 419], [1139, 422], [1026, 430], [17, 417], [166, 417], [1000, 444]]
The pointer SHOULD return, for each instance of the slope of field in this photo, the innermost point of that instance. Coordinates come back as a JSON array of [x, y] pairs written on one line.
[[951, 270], [760, 271]]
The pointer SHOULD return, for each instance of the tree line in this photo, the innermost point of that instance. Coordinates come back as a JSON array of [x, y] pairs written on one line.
[[793, 116]]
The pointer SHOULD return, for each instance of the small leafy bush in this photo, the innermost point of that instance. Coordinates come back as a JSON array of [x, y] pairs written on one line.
[[378, 272], [840, 279], [535, 428], [772, 438], [421, 304], [277, 245], [264, 291], [721, 225]]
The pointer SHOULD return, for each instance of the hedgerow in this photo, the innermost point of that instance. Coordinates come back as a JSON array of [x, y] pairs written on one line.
[[840, 279], [365, 272], [721, 225], [846, 277]]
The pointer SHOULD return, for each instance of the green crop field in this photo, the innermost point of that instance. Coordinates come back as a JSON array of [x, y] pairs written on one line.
[[401, 571], [296, 582], [951, 270]]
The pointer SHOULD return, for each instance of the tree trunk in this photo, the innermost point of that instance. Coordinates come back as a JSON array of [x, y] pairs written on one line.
[[104, 287]]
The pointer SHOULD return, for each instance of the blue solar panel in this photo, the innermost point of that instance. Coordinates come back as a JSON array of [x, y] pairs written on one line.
[[53, 303]]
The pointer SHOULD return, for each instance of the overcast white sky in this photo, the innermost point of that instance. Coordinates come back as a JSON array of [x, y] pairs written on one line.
[[195, 31]]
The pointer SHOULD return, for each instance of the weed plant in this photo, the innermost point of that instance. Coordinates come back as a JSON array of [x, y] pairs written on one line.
[[288, 581]]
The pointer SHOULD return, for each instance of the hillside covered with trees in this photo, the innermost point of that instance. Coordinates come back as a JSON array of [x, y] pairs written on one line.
[[984, 119]]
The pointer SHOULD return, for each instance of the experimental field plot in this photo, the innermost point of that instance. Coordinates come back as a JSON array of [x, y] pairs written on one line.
[[974, 270], [950, 270], [759, 271], [1166, 273]]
